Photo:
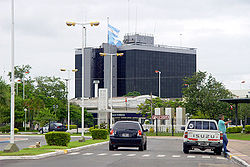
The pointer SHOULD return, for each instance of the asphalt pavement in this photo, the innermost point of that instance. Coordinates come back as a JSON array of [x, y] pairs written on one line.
[[161, 152]]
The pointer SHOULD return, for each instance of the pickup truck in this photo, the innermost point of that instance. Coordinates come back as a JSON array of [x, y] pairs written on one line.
[[202, 134]]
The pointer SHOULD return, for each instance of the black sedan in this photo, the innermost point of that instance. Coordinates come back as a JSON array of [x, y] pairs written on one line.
[[53, 127], [128, 134]]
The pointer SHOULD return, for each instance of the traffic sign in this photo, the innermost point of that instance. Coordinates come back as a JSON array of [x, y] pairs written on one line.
[[160, 117]]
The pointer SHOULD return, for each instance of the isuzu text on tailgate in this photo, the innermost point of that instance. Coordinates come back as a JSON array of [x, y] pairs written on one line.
[[202, 134]]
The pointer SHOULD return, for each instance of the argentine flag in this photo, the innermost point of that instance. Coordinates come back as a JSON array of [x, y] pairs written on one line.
[[113, 37]]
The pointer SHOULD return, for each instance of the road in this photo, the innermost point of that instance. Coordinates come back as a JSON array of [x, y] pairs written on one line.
[[161, 152]]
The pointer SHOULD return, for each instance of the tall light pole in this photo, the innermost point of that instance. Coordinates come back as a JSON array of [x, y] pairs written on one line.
[[111, 78], [156, 71], [12, 76], [83, 46], [67, 85], [12, 146]]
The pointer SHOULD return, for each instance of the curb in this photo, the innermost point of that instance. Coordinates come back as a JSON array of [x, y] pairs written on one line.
[[61, 152], [237, 160]]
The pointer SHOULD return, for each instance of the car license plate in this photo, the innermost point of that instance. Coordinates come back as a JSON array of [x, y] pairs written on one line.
[[203, 144], [125, 135]]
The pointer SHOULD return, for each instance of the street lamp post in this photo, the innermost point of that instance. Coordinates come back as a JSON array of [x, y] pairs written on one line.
[[83, 46], [12, 146], [111, 77], [25, 110], [159, 82], [67, 85]]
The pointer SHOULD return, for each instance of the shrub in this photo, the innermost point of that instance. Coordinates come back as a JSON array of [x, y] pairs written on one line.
[[236, 129], [23, 129], [57, 138], [90, 129], [5, 129], [16, 130], [247, 128], [71, 126], [147, 122], [151, 130], [99, 134]]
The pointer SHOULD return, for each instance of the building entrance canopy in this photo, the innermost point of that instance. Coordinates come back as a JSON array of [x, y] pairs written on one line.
[[236, 102]]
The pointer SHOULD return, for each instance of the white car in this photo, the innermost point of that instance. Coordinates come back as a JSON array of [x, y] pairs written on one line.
[[202, 134]]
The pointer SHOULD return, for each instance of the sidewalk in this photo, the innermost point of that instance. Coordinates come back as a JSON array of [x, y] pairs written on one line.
[[240, 151]]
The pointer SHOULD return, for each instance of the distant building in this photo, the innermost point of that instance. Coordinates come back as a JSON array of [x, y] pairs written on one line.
[[243, 93], [135, 70]]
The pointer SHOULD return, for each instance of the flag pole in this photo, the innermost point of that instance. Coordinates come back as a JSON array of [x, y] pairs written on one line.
[[111, 78]]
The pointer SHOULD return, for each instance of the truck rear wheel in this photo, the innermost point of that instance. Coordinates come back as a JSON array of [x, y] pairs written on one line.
[[185, 149]]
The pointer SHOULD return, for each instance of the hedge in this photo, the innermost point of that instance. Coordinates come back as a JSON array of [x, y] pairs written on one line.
[[57, 138], [247, 128], [236, 129], [71, 126], [99, 133], [5, 129]]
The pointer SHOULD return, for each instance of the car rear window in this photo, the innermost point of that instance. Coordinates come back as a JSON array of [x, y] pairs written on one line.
[[205, 125], [126, 125]]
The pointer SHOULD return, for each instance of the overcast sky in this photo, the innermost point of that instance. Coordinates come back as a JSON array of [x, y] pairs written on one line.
[[219, 29]]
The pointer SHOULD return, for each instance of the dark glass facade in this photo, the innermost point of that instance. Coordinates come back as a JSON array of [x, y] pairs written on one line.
[[136, 72], [96, 67]]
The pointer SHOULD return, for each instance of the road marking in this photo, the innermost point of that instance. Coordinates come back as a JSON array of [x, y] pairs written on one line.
[[221, 158], [176, 156], [102, 154], [74, 153], [191, 156], [131, 155], [205, 157], [160, 156], [116, 154], [88, 154], [146, 155]]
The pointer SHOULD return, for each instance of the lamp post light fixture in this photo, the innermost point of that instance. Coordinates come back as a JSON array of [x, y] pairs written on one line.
[[67, 85], [156, 71], [111, 77], [83, 46]]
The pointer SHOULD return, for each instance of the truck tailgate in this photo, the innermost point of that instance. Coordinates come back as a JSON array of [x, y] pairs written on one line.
[[204, 136]]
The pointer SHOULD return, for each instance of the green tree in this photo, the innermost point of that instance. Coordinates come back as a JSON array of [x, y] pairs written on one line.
[[4, 102], [76, 116], [145, 108], [201, 95], [20, 71], [44, 116], [244, 111]]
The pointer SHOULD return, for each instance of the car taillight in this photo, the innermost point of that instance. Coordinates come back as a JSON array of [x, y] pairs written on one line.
[[58, 127], [186, 135], [139, 133], [221, 136], [112, 132]]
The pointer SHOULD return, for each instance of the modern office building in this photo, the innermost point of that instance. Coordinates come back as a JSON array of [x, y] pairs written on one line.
[[135, 70]]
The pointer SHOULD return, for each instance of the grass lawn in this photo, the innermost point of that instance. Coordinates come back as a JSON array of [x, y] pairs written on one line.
[[163, 134], [238, 136], [46, 148]]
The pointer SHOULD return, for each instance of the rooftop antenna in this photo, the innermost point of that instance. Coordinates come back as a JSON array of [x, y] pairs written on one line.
[[180, 40], [128, 16], [136, 19]]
